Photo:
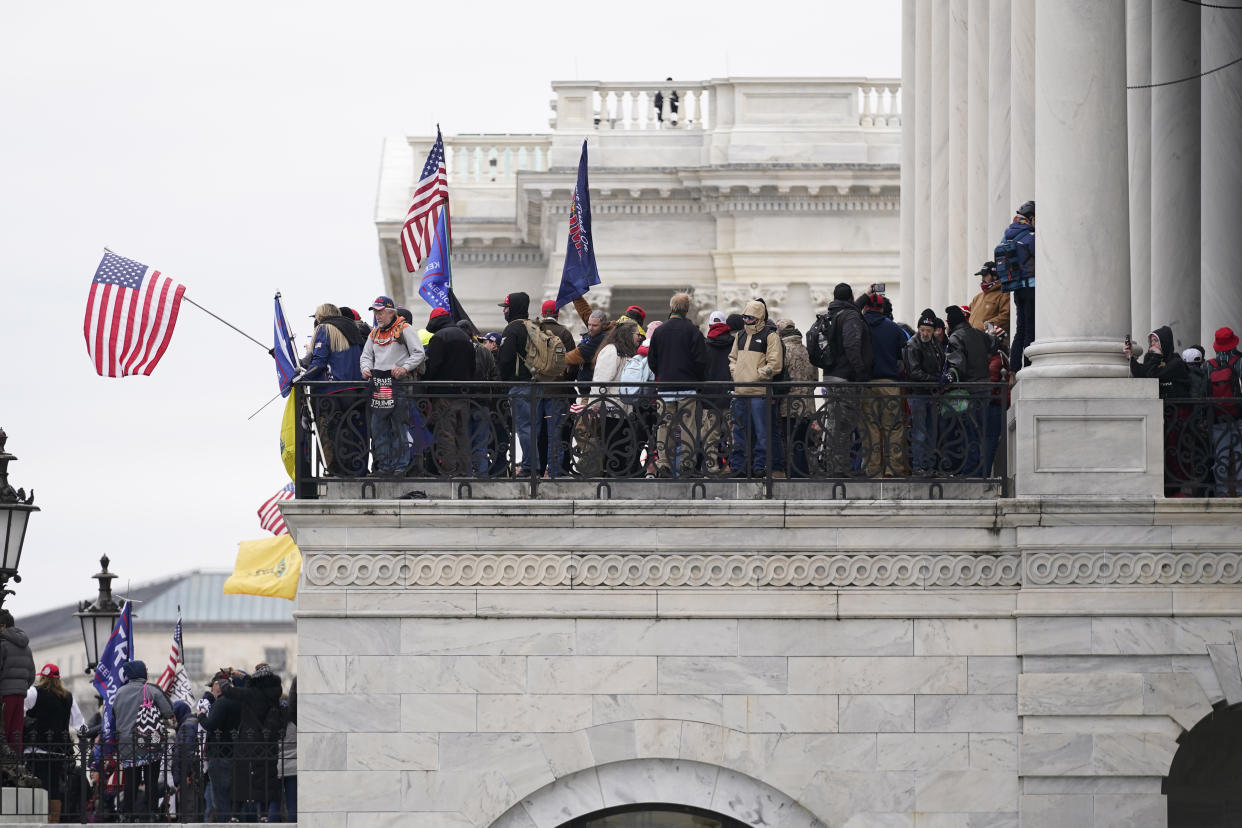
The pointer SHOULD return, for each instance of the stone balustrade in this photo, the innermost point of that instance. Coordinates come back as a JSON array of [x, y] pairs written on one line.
[[487, 159]]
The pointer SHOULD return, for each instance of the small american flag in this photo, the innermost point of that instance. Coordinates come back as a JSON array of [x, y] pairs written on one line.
[[420, 221], [130, 316], [174, 681], [269, 513]]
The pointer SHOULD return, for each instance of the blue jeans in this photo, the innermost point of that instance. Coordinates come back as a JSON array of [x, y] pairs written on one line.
[[992, 425], [519, 403], [220, 772], [922, 434], [389, 439], [750, 430], [552, 411], [1024, 325], [480, 430]]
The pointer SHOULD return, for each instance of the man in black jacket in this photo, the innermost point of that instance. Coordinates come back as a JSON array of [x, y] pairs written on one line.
[[511, 361], [450, 359], [885, 415], [848, 360], [924, 363], [17, 674], [678, 359], [967, 361]]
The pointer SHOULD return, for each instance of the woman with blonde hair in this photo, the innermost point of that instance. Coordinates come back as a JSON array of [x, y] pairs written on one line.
[[334, 353], [51, 712]]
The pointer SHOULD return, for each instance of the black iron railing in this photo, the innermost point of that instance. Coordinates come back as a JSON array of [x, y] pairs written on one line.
[[542, 432], [187, 775], [1203, 447]]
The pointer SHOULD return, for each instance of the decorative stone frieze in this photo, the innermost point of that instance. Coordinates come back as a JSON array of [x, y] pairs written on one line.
[[1168, 568]]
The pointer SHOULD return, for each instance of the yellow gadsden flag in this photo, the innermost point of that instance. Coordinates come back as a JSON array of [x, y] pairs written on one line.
[[270, 566], [287, 432]]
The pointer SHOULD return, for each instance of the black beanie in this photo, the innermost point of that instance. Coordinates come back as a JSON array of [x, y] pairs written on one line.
[[954, 316], [843, 292]]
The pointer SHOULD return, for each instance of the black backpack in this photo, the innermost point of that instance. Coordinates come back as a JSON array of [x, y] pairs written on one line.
[[823, 340]]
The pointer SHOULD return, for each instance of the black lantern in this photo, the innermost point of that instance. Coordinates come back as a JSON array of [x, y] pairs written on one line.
[[15, 510], [98, 618]]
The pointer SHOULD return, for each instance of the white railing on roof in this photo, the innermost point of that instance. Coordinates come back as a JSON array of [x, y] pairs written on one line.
[[486, 159]]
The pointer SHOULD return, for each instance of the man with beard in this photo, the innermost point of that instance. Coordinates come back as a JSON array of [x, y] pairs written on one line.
[[389, 359]]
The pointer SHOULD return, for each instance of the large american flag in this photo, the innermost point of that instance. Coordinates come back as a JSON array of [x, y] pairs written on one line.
[[129, 316], [269, 513], [420, 221]]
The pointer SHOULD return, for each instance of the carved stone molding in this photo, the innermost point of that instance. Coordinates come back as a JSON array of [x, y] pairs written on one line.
[[1166, 568], [672, 570]]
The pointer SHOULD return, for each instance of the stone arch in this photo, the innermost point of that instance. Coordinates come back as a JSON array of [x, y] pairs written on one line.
[[1201, 787], [672, 781]]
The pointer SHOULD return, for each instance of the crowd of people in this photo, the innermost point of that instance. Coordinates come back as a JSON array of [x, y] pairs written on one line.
[[229, 756]]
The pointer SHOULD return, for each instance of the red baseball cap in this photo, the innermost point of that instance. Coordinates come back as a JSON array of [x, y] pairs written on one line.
[[437, 312], [549, 308], [50, 670]]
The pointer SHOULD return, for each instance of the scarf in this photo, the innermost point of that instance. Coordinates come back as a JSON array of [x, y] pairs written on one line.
[[383, 337]]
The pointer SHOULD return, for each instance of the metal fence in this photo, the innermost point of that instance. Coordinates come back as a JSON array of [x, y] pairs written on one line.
[[542, 432], [1203, 447], [171, 777]]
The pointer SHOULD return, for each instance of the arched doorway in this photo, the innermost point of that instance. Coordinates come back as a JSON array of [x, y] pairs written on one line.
[[1203, 786], [654, 815]]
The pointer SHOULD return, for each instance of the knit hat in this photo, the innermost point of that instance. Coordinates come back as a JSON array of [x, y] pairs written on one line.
[[180, 710], [843, 292], [929, 320], [261, 670], [350, 313], [549, 308], [134, 670], [875, 301], [50, 671], [636, 313], [937, 322], [1226, 340], [716, 318], [785, 324], [436, 312], [954, 316]]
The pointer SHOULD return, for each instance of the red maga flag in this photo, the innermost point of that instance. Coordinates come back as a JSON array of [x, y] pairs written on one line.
[[431, 190], [130, 316]]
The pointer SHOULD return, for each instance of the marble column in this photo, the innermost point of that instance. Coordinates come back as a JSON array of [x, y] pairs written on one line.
[[959, 130], [1138, 71], [978, 250], [940, 155], [922, 154], [999, 203], [1081, 427], [1175, 168], [1083, 218], [1221, 198], [1021, 104], [909, 197]]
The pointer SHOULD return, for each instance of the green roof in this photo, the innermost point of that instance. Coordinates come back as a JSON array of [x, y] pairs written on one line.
[[202, 600]]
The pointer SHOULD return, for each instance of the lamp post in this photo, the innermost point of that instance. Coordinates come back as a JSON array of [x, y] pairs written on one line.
[[98, 618], [15, 510]]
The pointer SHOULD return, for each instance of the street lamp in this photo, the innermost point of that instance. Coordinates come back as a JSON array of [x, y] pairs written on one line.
[[98, 618], [15, 510]]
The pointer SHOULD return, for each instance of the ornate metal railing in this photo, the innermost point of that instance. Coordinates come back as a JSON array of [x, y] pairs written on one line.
[[155, 778], [1203, 447], [545, 433]]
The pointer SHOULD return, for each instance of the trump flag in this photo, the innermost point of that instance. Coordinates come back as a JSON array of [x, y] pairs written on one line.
[[580, 271], [438, 270]]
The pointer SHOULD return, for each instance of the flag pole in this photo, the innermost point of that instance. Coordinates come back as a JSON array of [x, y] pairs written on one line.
[[226, 322]]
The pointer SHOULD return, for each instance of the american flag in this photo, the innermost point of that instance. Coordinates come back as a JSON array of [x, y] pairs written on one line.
[[129, 316], [269, 513], [420, 221], [174, 681]]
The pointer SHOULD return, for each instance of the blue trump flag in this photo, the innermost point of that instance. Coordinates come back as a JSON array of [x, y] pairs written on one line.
[[580, 271], [108, 678], [286, 358], [438, 270]]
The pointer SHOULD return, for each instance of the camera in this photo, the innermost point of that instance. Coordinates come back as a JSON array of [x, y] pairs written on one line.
[[879, 288]]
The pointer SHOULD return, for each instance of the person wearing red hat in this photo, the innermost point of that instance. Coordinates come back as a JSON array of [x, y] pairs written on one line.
[[51, 713], [636, 315], [1225, 380]]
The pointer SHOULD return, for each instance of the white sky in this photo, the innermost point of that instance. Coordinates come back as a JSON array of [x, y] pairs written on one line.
[[235, 146]]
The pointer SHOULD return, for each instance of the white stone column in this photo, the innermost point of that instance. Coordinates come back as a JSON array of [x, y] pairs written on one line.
[[977, 248], [1021, 103], [999, 202], [905, 309], [1175, 169], [1082, 427], [940, 155], [1221, 198], [959, 130], [1138, 71], [922, 154]]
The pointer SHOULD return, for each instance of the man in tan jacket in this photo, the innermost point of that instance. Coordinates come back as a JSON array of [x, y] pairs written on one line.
[[757, 357], [991, 304]]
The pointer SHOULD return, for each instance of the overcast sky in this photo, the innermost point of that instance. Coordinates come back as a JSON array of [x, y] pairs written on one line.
[[235, 146]]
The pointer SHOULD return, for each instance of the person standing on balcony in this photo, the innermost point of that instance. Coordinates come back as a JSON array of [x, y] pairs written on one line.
[[1225, 381], [1165, 365], [883, 411], [678, 358], [924, 364], [555, 432], [1021, 280], [658, 102], [715, 400], [450, 359], [511, 359], [335, 356], [389, 359], [991, 304], [966, 360], [757, 357], [846, 358], [17, 674]]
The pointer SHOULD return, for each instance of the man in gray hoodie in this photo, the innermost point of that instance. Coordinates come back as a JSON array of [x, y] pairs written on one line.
[[17, 674], [389, 360]]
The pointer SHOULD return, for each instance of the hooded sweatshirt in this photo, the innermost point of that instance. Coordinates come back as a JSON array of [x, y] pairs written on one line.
[[511, 356], [856, 362], [1167, 367], [719, 344], [450, 355], [389, 347], [1023, 234], [757, 355], [887, 340]]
